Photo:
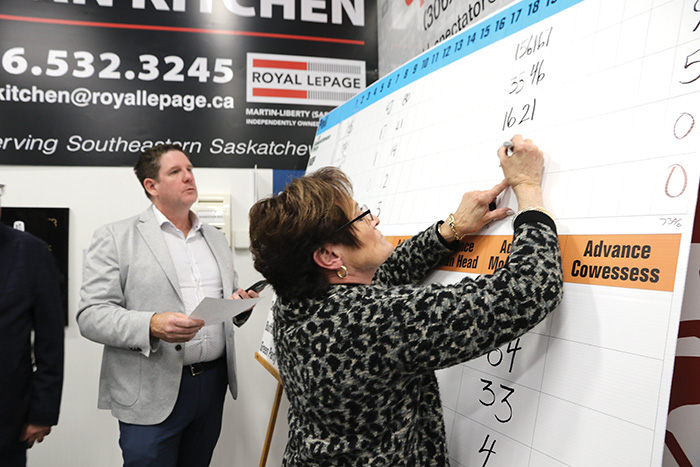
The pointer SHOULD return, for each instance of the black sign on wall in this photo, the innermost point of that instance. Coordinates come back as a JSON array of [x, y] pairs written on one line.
[[238, 83], [50, 225]]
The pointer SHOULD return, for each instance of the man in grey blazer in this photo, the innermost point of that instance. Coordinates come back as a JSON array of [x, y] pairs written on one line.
[[164, 375]]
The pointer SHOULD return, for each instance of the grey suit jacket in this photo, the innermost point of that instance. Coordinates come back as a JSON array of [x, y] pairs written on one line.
[[128, 276]]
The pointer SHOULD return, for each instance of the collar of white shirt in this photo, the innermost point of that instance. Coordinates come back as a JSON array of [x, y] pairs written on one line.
[[160, 217]]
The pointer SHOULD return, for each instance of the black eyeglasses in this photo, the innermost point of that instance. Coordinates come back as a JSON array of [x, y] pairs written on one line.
[[365, 212]]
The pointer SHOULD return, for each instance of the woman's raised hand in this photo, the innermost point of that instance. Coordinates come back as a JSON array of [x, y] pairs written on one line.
[[523, 171], [473, 213]]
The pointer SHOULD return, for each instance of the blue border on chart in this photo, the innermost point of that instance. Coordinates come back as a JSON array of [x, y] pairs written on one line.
[[476, 38]]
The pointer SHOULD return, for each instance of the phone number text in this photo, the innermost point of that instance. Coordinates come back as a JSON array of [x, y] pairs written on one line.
[[108, 65]]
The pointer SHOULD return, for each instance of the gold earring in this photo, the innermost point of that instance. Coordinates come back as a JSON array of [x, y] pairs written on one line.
[[342, 272]]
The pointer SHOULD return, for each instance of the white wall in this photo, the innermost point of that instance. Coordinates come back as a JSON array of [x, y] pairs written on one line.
[[84, 435]]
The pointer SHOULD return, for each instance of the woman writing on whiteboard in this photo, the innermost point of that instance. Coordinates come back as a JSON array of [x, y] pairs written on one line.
[[358, 337]]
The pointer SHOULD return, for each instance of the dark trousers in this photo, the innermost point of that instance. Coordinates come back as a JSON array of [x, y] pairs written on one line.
[[13, 452], [14, 458], [188, 436]]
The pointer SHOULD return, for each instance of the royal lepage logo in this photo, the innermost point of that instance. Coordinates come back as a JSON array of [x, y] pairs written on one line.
[[291, 79]]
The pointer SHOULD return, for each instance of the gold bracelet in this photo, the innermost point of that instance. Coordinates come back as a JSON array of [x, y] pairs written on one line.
[[533, 208], [451, 223]]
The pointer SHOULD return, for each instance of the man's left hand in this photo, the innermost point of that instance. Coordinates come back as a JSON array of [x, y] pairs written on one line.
[[32, 433]]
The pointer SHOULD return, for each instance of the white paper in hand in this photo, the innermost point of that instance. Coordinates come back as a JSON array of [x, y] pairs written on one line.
[[217, 310]]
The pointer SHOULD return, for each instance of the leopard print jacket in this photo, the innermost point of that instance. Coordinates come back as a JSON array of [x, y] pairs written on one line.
[[358, 363]]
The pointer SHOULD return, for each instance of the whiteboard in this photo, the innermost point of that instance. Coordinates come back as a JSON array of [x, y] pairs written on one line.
[[610, 90]]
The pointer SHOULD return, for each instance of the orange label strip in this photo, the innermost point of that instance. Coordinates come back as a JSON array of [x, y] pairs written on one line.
[[631, 261]]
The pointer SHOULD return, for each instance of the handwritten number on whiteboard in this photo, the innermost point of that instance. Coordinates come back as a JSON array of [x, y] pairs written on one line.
[[517, 84], [536, 72], [670, 176], [513, 348], [488, 389], [495, 357], [489, 450], [492, 397], [671, 221], [696, 8], [693, 60], [505, 401], [509, 120], [533, 43], [684, 120], [528, 113]]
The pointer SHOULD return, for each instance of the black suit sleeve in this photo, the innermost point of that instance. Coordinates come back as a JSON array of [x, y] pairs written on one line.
[[47, 321]]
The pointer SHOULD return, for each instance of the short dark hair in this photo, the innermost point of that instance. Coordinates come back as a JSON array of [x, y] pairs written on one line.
[[287, 228], [148, 163]]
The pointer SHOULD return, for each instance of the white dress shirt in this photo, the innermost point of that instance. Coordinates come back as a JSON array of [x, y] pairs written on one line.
[[199, 277]]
